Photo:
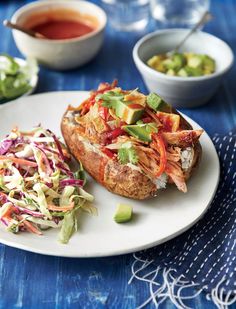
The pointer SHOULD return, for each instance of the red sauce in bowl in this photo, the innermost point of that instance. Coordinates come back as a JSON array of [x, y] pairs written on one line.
[[62, 29], [61, 24]]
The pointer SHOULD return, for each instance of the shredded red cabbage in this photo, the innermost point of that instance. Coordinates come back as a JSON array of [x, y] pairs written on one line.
[[71, 182], [5, 145], [29, 212], [45, 159], [58, 145], [4, 222], [65, 170]]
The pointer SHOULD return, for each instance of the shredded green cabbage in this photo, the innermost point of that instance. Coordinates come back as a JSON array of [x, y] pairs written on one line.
[[37, 188]]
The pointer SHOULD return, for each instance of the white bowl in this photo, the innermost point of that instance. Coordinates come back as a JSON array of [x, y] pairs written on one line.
[[182, 91], [60, 54]]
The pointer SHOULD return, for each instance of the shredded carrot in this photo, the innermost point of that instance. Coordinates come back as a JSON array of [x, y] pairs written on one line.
[[29, 226], [19, 161], [60, 208], [6, 213]]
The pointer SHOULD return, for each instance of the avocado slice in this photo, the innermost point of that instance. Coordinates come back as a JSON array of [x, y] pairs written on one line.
[[156, 62], [126, 110], [170, 72], [123, 213], [179, 61], [142, 132], [175, 63], [193, 71], [129, 112], [155, 102], [183, 73], [195, 61], [208, 64], [169, 64]]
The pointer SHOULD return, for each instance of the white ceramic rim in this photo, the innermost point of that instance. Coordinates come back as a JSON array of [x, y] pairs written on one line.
[[37, 4], [145, 68]]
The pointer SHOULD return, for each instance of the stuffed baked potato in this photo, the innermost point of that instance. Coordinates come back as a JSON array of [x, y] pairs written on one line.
[[132, 144]]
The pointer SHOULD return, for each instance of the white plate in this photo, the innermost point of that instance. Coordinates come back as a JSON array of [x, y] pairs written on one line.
[[155, 221]]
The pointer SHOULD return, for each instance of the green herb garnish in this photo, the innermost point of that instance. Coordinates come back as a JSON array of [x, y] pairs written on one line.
[[127, 154]]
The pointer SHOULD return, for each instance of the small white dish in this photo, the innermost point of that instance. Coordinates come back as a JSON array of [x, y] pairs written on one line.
[[60, 54], [154, 222], [33, 82], [183, 92]]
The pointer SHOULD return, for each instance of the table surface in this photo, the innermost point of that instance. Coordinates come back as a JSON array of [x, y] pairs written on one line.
[[29, 280]]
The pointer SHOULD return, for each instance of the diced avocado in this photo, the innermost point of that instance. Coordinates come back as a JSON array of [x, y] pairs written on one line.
[[169, 64], [130, 113], [179, 61], [170, 72], [182, 72], [174, 63], [193, 71], [126, 110], [195, 61], [142, 131], [208, 64], [160, 67], [152, 62], [183, 64], [207, 72], [156, 63], [155, 102], [123, 213], [151, 127]]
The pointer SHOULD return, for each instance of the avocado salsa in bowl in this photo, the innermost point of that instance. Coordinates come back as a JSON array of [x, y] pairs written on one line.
[[183, 64], [189, 82]]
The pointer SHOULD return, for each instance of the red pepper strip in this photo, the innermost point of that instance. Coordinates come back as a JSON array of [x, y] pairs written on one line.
[[159, 144], [114, 134], [135, 106], [147, 119], [106, 86], [108, 152], [86, 105], [109, 136]]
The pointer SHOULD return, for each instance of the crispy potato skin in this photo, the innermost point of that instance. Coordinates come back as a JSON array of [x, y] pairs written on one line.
[[117, 178]]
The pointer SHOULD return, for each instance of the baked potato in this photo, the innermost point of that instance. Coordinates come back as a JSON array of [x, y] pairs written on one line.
[[132, 144]]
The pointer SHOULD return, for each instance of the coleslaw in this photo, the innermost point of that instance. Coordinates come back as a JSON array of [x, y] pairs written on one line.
[[38, 190]]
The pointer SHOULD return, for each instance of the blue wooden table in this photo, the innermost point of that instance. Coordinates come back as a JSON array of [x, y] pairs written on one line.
[[30, 280]]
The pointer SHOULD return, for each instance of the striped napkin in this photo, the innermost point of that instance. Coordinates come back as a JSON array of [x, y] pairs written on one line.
[[204, 257]]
